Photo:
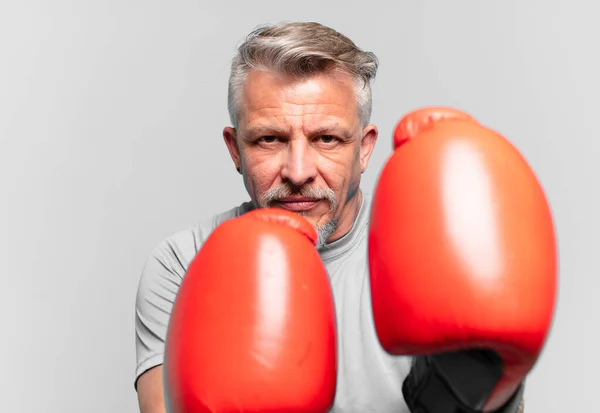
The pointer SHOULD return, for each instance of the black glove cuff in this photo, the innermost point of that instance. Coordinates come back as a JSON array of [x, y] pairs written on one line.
[[452, 382], [425, 391]]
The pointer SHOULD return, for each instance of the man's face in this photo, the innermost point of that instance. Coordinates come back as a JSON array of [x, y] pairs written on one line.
[[301, 147]]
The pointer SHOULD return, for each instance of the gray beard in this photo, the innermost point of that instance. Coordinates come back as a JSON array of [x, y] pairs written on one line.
[[324, 232]]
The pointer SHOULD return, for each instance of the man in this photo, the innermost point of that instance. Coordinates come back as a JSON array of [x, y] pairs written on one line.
[[300, 106]]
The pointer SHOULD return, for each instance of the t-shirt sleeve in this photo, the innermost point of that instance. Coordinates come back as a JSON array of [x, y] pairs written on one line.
[[159, 282], [158, 286]]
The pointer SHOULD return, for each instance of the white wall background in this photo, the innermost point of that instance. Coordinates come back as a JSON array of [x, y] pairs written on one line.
[[110, 139]]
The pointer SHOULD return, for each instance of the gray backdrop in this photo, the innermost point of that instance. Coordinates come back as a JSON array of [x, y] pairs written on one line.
[[111, 114]]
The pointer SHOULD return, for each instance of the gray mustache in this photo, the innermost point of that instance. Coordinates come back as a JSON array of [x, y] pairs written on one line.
[[282, 191]]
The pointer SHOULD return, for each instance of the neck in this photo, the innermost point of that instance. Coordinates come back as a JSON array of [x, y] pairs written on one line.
[[348, 216]]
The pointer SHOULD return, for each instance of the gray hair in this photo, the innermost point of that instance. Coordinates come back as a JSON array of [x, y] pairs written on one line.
[[299, 50]]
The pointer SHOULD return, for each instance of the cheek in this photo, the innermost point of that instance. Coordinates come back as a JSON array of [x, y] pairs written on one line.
[[341, 169], [261, 170]]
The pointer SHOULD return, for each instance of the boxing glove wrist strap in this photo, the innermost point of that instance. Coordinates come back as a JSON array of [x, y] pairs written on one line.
[[454, 383]]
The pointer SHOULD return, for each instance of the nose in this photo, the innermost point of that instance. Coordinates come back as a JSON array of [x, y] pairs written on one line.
[[299, 165]]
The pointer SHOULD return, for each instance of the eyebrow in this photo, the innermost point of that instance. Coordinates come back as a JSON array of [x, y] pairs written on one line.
[[326, 128], [262, 130]]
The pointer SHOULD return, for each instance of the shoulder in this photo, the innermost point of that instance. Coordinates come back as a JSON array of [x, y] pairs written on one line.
[[169, 260], [177, 250]]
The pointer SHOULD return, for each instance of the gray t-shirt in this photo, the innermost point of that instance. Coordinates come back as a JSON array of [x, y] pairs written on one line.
[[369, 379]]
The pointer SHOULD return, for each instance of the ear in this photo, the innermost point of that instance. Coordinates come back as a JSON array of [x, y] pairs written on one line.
[[230, 138], [367, 144]]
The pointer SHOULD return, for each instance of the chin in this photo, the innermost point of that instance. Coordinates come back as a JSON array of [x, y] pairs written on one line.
[[318, 221]]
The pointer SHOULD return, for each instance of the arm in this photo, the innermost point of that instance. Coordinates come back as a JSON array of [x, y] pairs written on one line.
[[150, 391]]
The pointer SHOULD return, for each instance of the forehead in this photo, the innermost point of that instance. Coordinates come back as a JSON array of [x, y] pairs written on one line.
[[325, 95]]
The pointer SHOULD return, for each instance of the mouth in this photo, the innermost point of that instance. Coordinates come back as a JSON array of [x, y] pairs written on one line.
[[299, 204]]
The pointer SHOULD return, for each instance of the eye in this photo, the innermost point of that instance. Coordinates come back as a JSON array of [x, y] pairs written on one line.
[[328, 140], [268, 139]]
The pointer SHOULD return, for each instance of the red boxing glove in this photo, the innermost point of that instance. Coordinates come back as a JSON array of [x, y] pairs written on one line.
[[463, 262], [253, 325]]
